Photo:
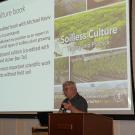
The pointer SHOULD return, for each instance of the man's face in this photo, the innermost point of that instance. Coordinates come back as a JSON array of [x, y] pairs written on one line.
[[69, 91]]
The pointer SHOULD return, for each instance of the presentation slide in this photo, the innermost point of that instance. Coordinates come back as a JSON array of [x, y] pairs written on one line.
[[26, 55], [92, 48], [45, 43]]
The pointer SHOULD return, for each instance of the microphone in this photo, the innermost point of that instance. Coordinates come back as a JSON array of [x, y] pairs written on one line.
[[62, 109]]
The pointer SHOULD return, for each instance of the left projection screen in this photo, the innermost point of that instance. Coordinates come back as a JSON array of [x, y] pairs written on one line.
[[26, 55]]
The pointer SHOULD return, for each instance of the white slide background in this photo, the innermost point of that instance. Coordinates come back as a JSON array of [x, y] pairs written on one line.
[[26, 55]]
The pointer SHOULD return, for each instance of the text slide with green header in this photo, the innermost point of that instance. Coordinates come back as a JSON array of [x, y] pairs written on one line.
[[26, 55]]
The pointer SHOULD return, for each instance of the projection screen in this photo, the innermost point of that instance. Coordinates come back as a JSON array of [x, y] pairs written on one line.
[[44, 43]]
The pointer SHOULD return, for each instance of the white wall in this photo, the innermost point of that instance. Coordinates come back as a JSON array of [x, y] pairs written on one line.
[[124, 127]]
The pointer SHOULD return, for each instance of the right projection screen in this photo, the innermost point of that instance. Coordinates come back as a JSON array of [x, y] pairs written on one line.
[[92, 48]]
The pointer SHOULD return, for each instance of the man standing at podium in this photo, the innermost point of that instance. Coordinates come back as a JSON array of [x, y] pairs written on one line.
[[73, 102]]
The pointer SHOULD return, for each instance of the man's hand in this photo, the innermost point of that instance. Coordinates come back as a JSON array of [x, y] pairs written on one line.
[[68, 106]]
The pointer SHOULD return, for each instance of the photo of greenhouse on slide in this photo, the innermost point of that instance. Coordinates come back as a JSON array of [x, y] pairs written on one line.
[[65, 7], [91, 49]]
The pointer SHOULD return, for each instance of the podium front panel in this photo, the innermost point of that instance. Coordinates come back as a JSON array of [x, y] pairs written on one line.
[[65, 124], [79, 124]]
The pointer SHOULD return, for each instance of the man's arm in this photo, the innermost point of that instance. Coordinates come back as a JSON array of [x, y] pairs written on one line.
[[69, 106]]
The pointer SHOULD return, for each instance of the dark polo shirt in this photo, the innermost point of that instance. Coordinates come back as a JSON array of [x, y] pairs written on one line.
[[78, 102]]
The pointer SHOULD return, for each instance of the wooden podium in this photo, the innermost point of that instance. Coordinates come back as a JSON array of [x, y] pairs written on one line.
[[79, 124]]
